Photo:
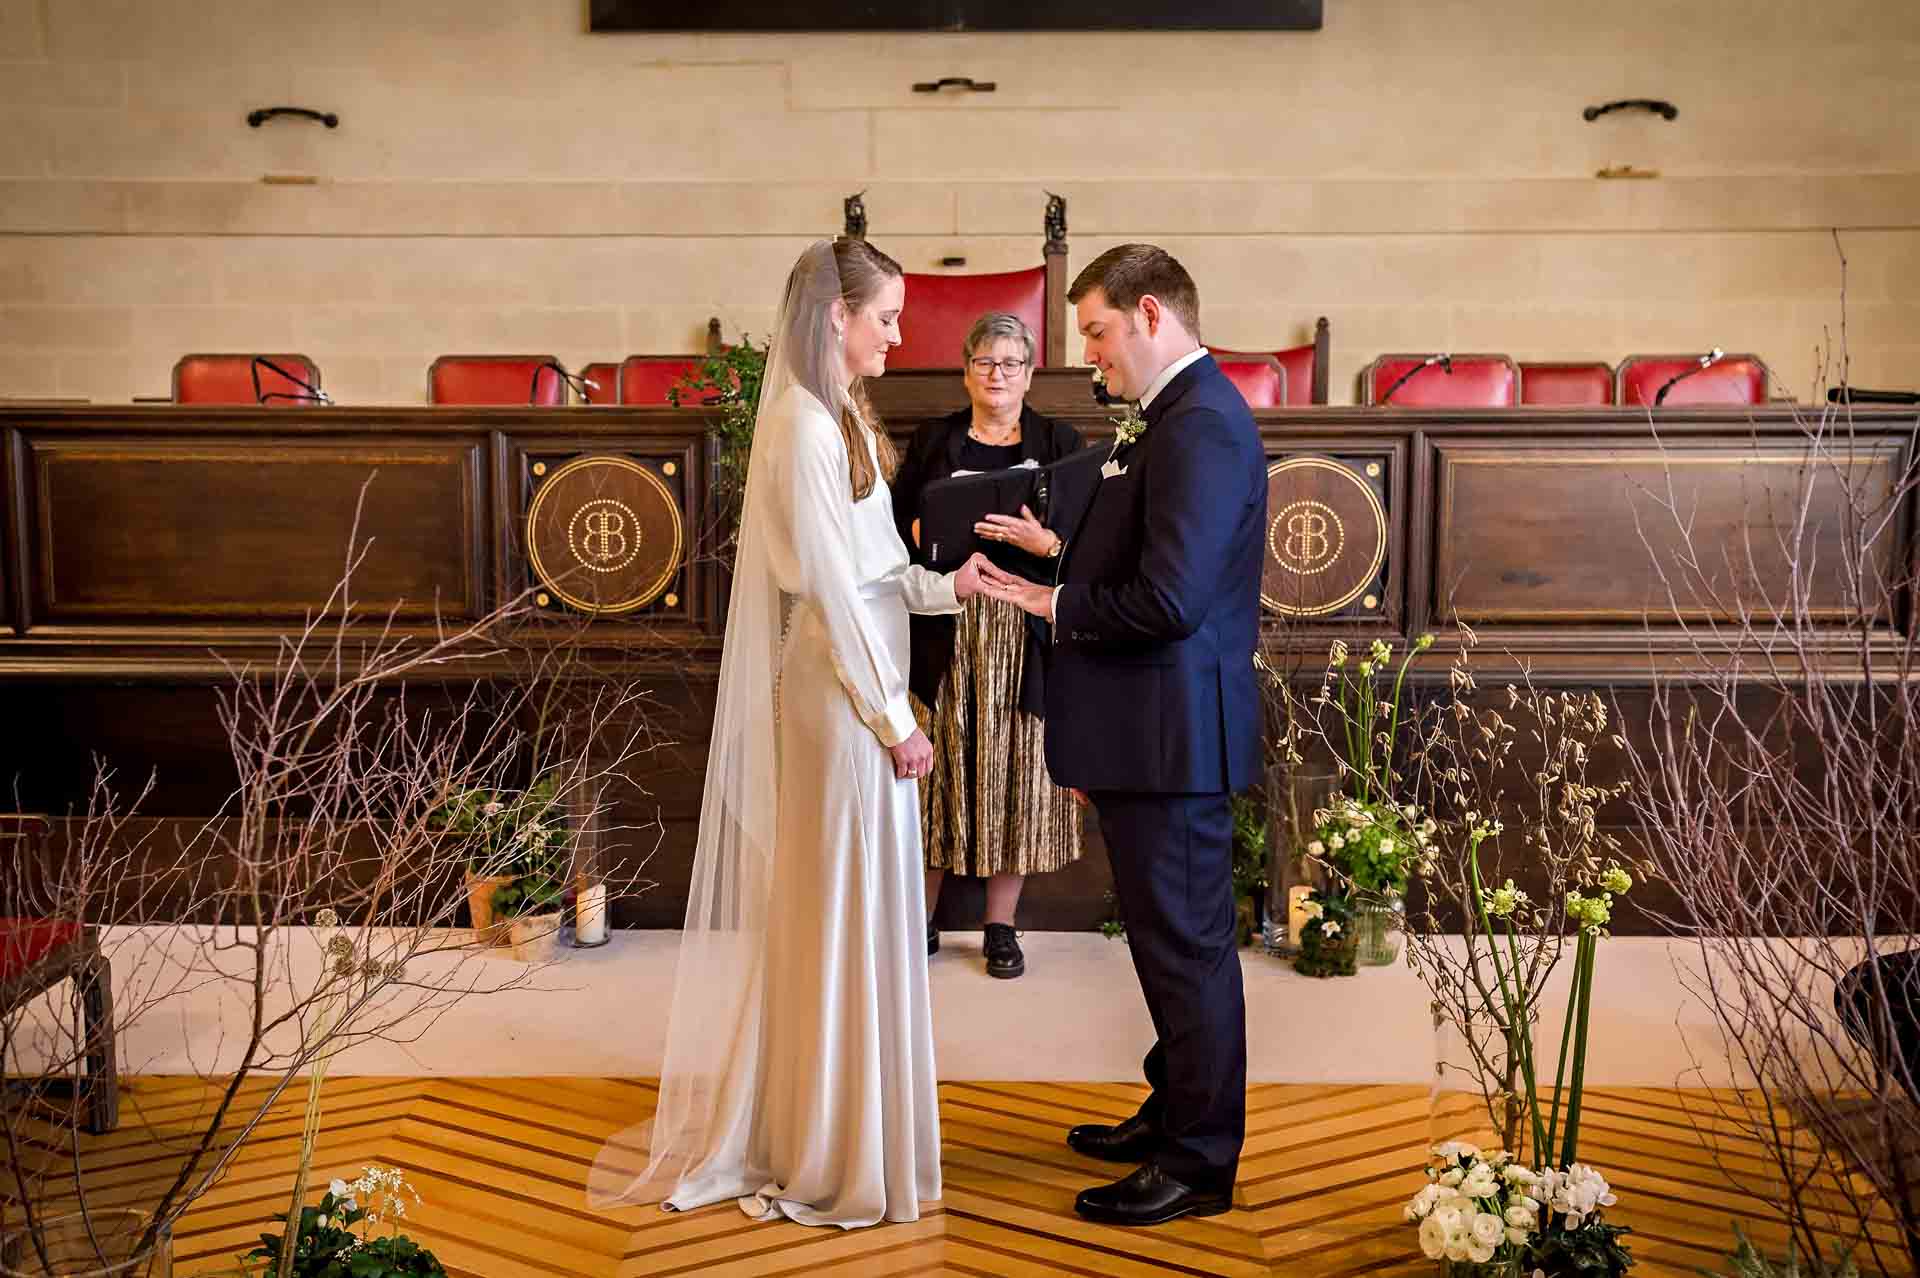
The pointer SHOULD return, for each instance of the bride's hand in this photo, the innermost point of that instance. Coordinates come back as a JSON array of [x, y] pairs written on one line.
[[966, 582], [912, 757]]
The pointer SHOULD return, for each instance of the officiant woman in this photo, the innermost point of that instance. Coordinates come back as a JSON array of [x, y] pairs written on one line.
[[988, 808]]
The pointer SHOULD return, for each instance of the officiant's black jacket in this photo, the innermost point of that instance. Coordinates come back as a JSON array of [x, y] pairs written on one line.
[[935, 454]]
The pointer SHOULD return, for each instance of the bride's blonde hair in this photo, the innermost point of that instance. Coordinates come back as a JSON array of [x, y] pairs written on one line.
[[859, 272]]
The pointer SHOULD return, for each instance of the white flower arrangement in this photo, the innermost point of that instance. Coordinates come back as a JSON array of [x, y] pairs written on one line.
[[1475, 1207], [1129, 426]]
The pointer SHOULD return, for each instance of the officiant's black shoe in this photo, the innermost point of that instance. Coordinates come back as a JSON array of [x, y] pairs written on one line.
[[1149, 1197], [1134, 1141], [1002, 949], [933, 939]]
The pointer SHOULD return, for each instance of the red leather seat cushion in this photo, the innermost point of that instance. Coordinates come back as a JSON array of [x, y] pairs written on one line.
[[645, 379], [1474, 383], [1731, 381], [478, 380], [1261, 382], [942, 308], [228, 379], [1566, 384], [606, 379], [24, 942]]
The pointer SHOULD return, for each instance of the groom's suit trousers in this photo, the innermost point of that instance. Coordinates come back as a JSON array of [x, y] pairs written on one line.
[[1172, 858]]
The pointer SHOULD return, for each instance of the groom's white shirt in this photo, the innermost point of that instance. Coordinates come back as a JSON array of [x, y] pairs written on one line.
[[1158, 384]]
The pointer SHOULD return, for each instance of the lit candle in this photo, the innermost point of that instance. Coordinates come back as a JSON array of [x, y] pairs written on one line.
[[1297, 911], [590, 915]]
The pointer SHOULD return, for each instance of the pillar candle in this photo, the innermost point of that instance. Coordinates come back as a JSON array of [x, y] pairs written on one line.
[[1297, 911], [590, 915]]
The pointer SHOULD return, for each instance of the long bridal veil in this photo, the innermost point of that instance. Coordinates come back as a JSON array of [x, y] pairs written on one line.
[[711, 1067]]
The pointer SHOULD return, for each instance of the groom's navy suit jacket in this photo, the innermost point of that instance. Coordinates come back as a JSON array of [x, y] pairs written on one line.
[[1150, 680]]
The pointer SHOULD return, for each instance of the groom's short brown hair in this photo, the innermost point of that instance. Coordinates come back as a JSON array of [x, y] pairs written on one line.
[[1132, 271]]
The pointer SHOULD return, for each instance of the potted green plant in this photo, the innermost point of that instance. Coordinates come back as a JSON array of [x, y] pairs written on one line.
[[1328, 942], [337, 1239], [727, 381], [511, 839]]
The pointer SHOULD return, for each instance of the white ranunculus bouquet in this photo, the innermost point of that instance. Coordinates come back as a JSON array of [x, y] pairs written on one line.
[[1475, 1207]]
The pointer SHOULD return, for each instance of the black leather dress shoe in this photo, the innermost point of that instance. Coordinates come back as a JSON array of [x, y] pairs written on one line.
[[1002, 950], [1149, 1197], [1133, 1141]]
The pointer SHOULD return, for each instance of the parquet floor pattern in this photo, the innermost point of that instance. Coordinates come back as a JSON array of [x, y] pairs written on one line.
[[500, 1164]]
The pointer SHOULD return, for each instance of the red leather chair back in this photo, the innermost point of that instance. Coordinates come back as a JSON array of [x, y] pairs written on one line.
[[477, 380], [606, 379], [1260, 379], [1551, 384], [24, 942], [1477, 381], [228, 379], [1736, 379], [645, 379], [1296, 362], [942, 308]]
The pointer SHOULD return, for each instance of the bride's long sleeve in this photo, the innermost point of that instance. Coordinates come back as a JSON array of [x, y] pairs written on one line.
[[817, 511]]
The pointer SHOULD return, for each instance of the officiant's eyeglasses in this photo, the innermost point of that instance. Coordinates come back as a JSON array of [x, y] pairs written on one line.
[[983, 368]]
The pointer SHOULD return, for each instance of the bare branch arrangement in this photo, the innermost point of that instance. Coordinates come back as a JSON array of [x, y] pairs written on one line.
[[1780, 801], [320, 906]]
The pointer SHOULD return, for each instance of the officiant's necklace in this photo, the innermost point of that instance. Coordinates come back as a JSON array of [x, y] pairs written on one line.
[[1012, 436]]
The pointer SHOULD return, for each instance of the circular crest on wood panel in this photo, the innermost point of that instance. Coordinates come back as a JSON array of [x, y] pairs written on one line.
[[605, 534], [1326, 537]]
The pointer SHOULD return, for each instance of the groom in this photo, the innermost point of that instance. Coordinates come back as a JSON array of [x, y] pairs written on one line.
[[1153, 713]]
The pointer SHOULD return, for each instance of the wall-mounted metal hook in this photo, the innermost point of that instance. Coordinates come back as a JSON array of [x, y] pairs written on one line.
[[956, 82], [259, 117], [1667, 109]]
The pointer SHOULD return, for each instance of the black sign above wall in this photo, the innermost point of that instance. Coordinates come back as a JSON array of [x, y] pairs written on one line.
[[958, 15]]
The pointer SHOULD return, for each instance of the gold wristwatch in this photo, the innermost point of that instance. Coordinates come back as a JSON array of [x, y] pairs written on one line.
[[1059, 544]]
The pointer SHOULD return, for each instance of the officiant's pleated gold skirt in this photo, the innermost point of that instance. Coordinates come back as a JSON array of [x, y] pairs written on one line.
[[988, 807]]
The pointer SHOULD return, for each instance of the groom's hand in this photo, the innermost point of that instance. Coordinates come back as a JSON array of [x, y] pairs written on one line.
[[997, 583]]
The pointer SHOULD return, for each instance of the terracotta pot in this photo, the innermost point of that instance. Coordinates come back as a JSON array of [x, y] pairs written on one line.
[[487, 929], [536, 937]]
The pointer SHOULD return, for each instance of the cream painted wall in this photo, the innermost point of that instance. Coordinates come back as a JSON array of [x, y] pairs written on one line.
[[1419, 171]]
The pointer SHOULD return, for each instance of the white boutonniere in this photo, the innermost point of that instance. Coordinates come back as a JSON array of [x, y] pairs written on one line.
[[1130, 426]]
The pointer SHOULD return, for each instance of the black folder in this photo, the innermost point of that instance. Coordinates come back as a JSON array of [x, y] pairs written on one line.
[[949, 508]]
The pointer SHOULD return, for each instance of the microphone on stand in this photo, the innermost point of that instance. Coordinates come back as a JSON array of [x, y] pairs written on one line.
[[1444, 361], [580, 385], [1706, 361], [310, 394]]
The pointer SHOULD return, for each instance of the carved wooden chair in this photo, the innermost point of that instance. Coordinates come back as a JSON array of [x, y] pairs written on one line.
[[603, 383], [1452, 381], [35, 956], [1305, 366], [1551, 384], [1260, 379], [941, 309], [480, 380], [247, 379], [1732, 379]]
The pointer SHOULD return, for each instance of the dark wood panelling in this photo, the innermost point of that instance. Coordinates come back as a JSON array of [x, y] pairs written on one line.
[[174, 538], [1580, 533], [251, 528]]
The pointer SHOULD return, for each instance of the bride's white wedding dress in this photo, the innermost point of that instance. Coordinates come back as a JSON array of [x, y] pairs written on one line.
[[827, 1111]]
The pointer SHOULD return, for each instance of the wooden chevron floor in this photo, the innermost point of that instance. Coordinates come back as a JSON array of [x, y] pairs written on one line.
[[500, 1164]]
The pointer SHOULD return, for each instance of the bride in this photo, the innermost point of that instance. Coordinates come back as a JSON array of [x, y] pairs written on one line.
[[799, 1074]]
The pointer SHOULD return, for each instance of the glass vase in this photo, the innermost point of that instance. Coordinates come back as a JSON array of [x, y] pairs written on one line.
[[1488, 1269], [1379, 926], [108, 1251], [1293, 796]]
